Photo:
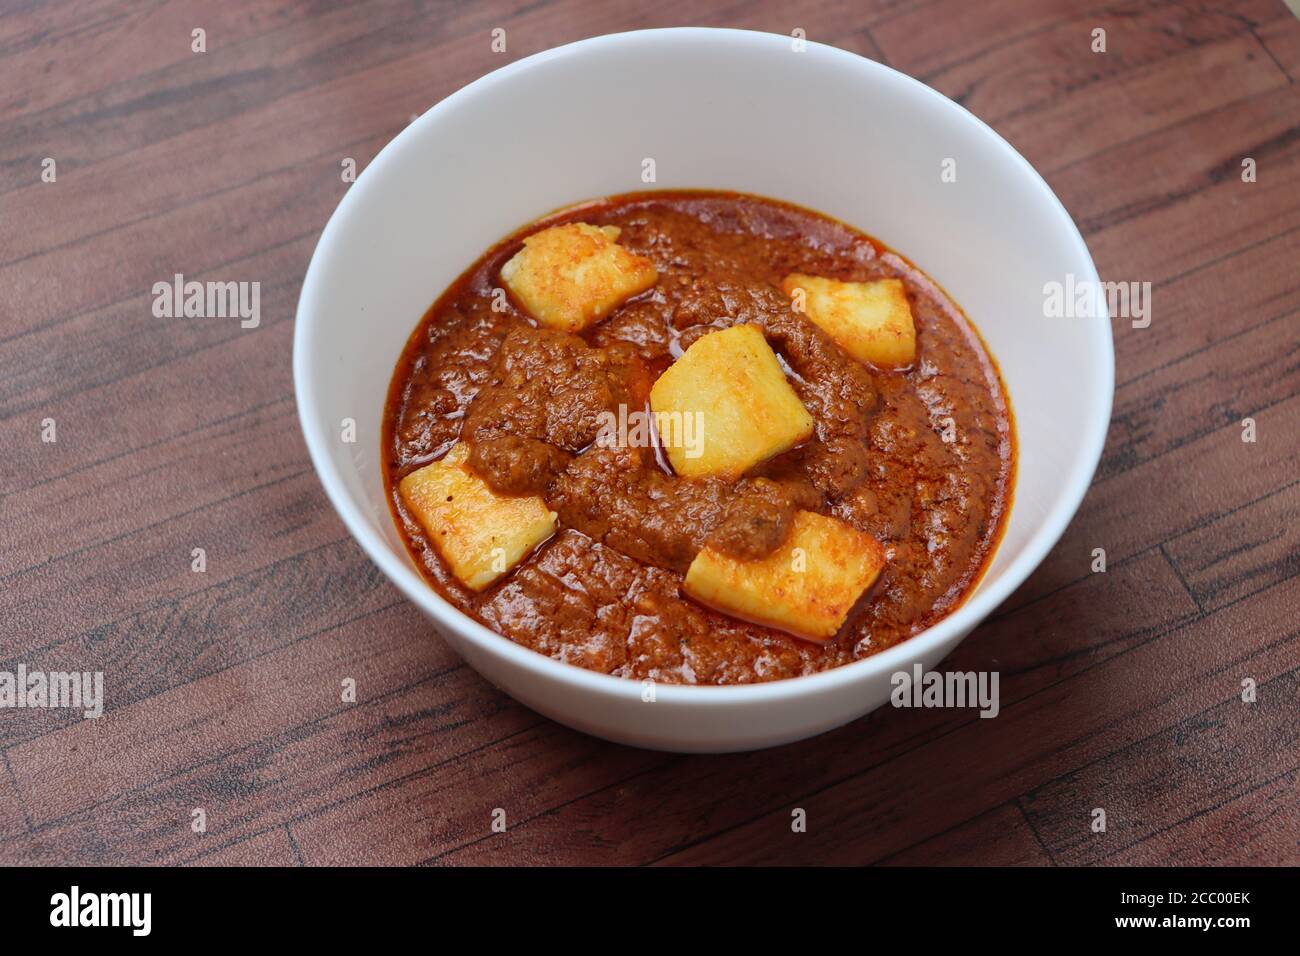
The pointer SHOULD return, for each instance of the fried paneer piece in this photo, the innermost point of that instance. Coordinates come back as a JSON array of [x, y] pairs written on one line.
[[480, 534], [742, 408], [569, 277], [806, 587], [872, 321]]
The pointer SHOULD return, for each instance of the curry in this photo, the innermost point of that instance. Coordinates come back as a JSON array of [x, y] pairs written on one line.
[[698, 437]]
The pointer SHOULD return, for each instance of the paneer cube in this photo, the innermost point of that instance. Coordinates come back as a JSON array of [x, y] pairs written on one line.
[[872, 321], [743, 409], [480, 534], [568, 277], [806, 587]]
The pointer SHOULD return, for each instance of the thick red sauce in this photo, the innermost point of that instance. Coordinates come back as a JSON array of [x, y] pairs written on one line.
[[922, 458]]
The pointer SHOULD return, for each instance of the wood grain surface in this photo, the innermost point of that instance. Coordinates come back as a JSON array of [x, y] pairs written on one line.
[[1120, 690]]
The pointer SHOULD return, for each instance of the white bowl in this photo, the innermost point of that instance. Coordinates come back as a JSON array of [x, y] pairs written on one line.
[[722, 109]]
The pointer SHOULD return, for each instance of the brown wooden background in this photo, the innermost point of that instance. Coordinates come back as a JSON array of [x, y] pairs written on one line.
[[1120, 690]]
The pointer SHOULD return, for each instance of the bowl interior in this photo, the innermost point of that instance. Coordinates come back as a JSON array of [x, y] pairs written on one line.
[[711, 109]]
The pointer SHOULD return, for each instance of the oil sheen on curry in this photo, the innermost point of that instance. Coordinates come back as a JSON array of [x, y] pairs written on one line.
[[697, 437]]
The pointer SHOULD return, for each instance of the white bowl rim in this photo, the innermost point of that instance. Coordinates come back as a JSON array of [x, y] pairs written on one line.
[[902, 655]]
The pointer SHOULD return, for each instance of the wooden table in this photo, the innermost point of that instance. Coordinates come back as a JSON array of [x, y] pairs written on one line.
[[1120, 690]]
